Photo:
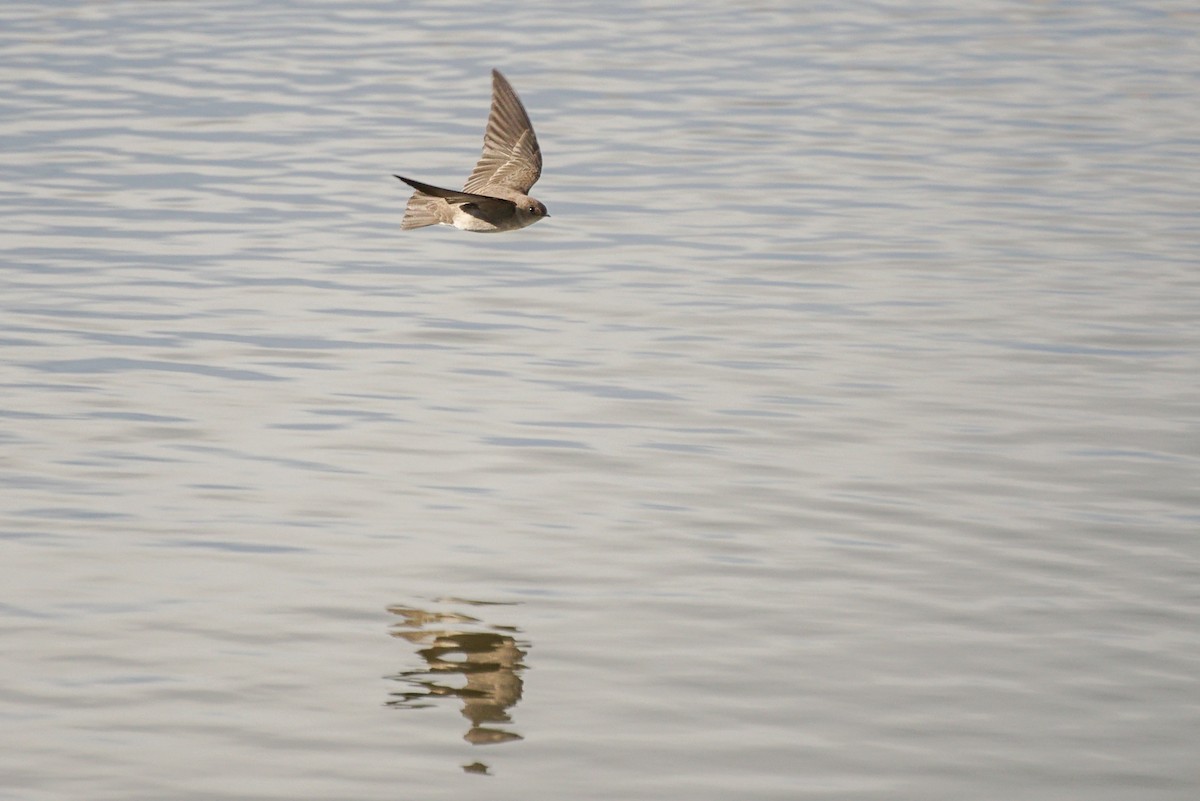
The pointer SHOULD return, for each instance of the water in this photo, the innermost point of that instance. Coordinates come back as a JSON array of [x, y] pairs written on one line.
[[836, 438]]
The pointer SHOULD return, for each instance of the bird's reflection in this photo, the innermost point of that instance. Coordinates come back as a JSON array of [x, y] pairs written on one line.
[[465, 658]]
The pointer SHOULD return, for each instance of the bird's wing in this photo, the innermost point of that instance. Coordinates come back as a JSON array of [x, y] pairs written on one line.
[[453, 195], [511, 156]]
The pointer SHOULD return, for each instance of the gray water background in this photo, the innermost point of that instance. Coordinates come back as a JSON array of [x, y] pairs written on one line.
[[837, 437]]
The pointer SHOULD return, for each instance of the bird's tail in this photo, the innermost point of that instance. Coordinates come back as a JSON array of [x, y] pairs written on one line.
[[422, 210]]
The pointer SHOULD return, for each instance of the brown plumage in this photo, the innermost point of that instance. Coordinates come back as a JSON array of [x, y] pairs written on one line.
[[494, 197]]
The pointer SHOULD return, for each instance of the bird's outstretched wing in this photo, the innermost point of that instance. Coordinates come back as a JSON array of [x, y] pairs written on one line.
[[453, 195], [511, 156]]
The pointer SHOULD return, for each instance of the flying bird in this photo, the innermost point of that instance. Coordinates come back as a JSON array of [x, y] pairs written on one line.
[[495, 196]]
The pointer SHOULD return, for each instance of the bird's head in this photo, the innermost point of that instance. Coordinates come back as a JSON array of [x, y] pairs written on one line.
[[534, 208]]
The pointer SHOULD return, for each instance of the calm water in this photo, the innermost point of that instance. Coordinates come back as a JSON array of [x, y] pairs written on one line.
[[838, 437]]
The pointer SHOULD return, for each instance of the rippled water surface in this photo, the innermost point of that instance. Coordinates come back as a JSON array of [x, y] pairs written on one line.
[[837, 437]]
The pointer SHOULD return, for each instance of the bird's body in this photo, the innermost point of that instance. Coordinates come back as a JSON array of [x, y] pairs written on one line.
[[495, 196]]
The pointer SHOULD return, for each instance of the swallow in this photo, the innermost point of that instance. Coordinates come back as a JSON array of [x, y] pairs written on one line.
[[495, 196]]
